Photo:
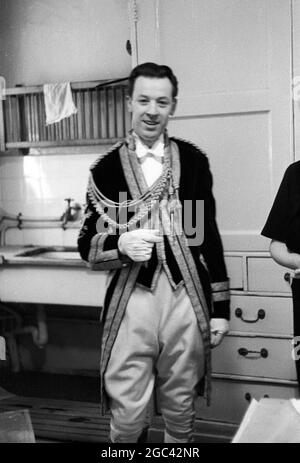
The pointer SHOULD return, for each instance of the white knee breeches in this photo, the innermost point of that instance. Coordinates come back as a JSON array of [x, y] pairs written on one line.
[[159, 343]]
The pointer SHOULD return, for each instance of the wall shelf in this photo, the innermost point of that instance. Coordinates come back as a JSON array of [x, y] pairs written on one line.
[[101, 118]]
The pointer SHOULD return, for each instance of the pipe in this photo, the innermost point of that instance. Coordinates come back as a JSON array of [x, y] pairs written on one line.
[[19, 217], [42, 335], [13, 352], [9, 336], [12, 313], [39, 334], [34, 224]]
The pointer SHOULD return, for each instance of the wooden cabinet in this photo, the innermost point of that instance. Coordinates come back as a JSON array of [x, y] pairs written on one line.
[[231, 398], [261, 314], [264, 275], [255, 358]]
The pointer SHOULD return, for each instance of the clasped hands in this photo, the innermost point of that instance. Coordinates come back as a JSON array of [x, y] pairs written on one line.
[[138, 244]]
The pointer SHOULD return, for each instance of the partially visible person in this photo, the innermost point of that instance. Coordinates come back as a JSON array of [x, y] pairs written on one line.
[[283, 227]]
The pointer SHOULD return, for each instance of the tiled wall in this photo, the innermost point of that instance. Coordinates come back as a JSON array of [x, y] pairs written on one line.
[[37, 185]]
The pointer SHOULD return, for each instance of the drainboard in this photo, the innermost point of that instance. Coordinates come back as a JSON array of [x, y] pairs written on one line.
[[58, 255], [51, 252]]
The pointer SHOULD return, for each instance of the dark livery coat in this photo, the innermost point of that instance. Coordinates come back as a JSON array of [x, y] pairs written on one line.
[[195, 184]]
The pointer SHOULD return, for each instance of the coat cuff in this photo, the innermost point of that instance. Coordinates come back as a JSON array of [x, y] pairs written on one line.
[[221, 299], [104, 253]]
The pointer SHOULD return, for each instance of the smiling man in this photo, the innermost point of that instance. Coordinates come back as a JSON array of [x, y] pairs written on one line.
[[167, 303], [151, 103]]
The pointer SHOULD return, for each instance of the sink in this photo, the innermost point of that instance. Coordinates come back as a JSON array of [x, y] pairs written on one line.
[[50, 275], [51, 252]]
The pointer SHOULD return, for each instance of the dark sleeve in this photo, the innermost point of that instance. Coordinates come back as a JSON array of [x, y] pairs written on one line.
[[212, 251], [97, 246], [276, 226]]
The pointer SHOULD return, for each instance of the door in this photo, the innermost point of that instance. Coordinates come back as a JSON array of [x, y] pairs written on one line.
[[233, 62]]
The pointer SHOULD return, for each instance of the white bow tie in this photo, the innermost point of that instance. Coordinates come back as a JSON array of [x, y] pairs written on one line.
[[143, 158]]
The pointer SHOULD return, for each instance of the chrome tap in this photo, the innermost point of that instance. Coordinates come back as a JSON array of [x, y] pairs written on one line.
[[71, 214]]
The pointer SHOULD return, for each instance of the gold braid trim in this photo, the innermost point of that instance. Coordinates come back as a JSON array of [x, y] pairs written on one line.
[[146, 201], [102, 155], [220, 286], [221, 296]]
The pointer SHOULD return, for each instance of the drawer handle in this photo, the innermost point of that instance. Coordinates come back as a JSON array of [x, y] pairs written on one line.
[[248, 396], [262, 352], [260, 315]]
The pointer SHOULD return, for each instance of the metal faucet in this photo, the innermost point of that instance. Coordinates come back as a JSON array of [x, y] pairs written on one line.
[[71, 214]]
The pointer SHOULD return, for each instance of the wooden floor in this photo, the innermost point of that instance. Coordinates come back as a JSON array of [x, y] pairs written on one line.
[[55, 418], [73, 421], [62, 419]]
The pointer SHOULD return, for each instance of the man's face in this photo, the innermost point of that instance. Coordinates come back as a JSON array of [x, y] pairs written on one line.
[[151, 105]]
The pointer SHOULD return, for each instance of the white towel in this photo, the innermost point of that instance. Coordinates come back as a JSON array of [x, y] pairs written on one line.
[[58, 102]]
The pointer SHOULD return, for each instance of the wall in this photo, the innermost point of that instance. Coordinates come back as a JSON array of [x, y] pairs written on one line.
[[54, 40], [37, 186]]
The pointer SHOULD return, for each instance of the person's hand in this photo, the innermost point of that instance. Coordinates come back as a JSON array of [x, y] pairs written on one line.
[[219, 327], [138, 244], [297, 273]]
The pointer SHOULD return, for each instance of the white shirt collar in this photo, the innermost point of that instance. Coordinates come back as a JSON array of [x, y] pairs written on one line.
[[141, 149]]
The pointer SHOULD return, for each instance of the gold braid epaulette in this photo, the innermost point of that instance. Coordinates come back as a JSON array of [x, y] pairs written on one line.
[[145, 201], [102, 155]]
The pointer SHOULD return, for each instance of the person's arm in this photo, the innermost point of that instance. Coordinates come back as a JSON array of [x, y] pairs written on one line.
[[106, 251], [213, 253], [96, 246], [283, 256]]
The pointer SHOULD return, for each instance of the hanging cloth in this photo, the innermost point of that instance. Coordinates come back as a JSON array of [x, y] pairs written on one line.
[[58, 102]]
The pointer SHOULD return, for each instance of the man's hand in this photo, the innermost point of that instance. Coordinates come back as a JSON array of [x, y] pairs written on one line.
[[138, 244], [218, 328]]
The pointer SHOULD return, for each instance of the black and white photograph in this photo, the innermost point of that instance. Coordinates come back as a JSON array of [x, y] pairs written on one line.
[[149, 225]]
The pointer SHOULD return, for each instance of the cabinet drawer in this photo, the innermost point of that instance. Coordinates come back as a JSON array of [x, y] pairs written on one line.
[[234, 267], [230, 399], [262, 314], [265, 275], [272, 358]]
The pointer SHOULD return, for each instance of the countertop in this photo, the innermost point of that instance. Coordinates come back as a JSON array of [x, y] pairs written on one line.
[[41, 255]]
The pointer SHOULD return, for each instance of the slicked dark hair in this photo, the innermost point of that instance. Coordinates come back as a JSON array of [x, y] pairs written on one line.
[[152, 70]]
